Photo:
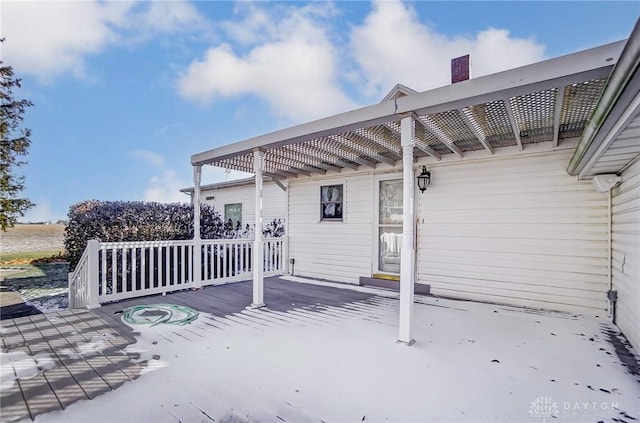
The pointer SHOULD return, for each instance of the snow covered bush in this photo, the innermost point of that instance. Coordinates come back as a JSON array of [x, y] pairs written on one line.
[[117, 221], [274, 229], [114, 221]]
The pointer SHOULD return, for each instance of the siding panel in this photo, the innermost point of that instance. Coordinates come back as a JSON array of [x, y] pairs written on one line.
[[514, 230], [339, 251], [626, 252], [274, 201]]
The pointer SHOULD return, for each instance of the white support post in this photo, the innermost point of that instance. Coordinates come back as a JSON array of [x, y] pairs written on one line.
[[197, 242], [93, 248], [407, 258], [258, 247], [71, 291]]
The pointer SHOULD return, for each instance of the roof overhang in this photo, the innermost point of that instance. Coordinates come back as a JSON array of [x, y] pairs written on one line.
[[611, 140], [221, 185], [546, 101]]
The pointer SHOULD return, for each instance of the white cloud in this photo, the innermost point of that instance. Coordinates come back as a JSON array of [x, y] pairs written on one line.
[[293, 64], [48, 39], [169, 16], [298, 64], [165, 185], [392, 46], [165, 188]]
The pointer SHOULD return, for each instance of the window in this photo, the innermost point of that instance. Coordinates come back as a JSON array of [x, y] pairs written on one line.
[[331, 202], [233, 212]]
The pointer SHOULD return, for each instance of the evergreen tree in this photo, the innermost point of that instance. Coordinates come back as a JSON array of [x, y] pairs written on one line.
[[14, 143]]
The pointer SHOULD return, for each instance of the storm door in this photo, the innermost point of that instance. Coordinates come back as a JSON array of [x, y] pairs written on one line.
[[389, 225]]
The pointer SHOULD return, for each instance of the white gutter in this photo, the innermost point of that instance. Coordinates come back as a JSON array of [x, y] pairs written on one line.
[[594, 141], [224, 184]]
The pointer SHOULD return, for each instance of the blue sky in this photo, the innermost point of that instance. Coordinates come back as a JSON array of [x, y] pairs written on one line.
[[126, 92]]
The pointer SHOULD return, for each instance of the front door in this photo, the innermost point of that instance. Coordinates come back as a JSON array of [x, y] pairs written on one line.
[[389, 225]]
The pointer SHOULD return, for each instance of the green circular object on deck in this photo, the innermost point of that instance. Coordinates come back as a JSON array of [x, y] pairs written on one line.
[[156, 314]]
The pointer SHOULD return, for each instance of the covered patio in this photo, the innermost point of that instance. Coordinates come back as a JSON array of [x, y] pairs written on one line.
[[541, 107], [319, 351]]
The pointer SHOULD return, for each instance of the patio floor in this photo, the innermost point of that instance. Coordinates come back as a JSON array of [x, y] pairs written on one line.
[[317, 352]]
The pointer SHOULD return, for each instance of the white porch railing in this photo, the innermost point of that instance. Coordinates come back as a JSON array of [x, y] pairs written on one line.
[[113, 271]]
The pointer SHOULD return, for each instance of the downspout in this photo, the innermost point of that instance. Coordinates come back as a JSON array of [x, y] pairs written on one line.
[[622, 73], [612, 297]]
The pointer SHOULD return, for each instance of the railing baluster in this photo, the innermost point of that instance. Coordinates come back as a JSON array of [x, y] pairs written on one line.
[[280, 256], [159, 262], [191, 262], [207, 258], [152, 253], [210, 275], [243, 252], [218, 261], [103, 272], [227, 260], [124, 270], [134, 267], [144, 283], [271, 252], [236, 258], [174, 265], [276, 255], [205, 262], [183, 265], [114, 270]]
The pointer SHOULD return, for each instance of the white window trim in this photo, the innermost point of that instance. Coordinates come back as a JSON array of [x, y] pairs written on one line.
[[241, 212], [328, 182]]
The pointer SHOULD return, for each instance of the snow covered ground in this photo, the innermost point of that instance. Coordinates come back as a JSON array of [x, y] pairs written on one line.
[[43, 286], [471, 362]]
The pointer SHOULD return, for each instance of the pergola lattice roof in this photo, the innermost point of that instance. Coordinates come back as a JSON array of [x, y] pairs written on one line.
[[550, 101]]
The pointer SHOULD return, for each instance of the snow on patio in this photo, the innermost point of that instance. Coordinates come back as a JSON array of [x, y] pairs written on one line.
[[471, 362]]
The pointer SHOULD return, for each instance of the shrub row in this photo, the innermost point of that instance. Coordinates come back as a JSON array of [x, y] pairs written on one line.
[[116, 221]]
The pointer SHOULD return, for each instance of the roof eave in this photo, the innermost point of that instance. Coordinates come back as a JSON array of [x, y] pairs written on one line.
[[224, 184], [616, 101]]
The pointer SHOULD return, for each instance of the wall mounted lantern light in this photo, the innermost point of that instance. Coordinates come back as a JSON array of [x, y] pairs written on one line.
[[424, 179]]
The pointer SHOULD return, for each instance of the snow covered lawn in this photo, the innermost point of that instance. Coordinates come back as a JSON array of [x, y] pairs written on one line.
[[471, 362]]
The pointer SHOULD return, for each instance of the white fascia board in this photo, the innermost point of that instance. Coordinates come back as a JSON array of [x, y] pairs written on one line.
[[589, 64], [223, 184]]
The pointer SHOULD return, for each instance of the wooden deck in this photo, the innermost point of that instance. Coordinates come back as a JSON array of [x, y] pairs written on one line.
[[81, 353]]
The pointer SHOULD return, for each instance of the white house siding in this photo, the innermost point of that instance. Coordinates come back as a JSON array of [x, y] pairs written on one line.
[[339, 251], [626, 252], [274, 201], [515, 230]]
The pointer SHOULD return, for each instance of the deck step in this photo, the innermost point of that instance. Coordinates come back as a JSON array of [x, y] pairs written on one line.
[[420, 288]]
